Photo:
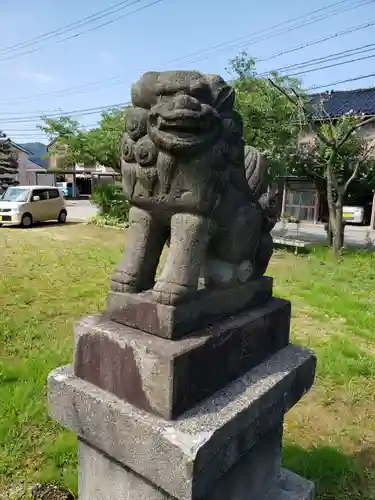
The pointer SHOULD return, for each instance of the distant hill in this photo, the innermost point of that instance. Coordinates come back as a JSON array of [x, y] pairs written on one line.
[[39, 152]]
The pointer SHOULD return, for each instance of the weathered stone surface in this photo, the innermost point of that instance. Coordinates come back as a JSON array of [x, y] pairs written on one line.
[[142, 311], [169, 377], [191, 181], [291, 487], [251, 478], [100, 477], [187, 456]]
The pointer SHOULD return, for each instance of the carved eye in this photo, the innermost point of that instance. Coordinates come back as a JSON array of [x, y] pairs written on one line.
[[128, 148], [202, 92], [136, 123]]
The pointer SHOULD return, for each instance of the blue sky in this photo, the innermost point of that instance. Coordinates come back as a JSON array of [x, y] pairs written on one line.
[[156, 38]]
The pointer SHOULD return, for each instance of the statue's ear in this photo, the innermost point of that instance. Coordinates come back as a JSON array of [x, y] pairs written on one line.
[[143, 92], [224, 102]]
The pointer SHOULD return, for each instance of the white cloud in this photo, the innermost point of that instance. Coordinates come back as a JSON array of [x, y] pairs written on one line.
[[106, 56], [37, 76]]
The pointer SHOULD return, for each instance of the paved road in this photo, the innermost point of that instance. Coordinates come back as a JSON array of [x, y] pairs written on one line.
[[354, 235], [80, 210]]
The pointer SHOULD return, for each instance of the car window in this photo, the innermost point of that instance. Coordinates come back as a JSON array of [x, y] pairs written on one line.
[[42, 193], [15, 194], [53, 194]]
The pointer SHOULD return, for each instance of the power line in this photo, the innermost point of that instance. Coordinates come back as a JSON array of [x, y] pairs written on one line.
[[77, 112], [24, 118], [76, 35], [78, 89], [331, 65], [95, 110], [348, 80], [255, 33], [300, 66], [317, 41], [17, 117], [320, 60], [66, 28], [20, 118], [90, 86], [226, 46], [35, 129], [120, 6]]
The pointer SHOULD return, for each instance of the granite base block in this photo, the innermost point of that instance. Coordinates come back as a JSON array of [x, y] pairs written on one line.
[[141, 311], [251, 478], [186, 457], [167, 377], [257, 476], [291, 486]]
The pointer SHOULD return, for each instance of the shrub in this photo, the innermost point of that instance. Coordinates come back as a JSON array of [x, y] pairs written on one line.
[[106, 220], [110, 200]]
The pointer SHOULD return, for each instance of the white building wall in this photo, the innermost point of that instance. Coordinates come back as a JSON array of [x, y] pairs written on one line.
[[23, 161]]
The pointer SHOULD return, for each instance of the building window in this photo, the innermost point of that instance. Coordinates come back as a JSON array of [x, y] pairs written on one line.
[[301, 204]]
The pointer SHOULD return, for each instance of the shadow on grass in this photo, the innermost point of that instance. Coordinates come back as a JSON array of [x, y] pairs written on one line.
[[45, 224], [336, 476]]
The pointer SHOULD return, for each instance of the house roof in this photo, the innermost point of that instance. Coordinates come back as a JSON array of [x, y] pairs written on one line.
[[17, 146], [339, 102], [51, 143], [34, 166]]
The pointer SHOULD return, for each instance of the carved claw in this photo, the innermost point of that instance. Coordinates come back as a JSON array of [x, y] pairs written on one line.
[[116, 286], [122, 282], [171, 294]]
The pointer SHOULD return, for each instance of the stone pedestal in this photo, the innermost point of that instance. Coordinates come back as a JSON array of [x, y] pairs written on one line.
[[195, 418]]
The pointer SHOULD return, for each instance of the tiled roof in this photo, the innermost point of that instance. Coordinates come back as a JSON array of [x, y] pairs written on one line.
[[18, 146], [337, 103]]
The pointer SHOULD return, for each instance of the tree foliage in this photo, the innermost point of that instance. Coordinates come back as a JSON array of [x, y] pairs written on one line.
[[270, 123], [8, 162], [100, 145], [337, 152], [104, 141], [278, 113]]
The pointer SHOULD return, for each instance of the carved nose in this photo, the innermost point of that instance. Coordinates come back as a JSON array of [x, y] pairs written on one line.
[[184, 101]]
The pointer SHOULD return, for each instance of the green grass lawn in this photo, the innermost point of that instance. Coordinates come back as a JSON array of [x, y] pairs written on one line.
[[51, 275]]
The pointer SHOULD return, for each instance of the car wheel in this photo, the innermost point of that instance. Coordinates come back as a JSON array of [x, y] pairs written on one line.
[[26, 221], [61, 219]]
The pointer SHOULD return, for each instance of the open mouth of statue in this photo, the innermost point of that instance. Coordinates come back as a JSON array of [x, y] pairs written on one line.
[[182, 123], [183, 126]]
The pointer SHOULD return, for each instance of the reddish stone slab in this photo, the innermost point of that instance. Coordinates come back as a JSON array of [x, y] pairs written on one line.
[[169, 377]]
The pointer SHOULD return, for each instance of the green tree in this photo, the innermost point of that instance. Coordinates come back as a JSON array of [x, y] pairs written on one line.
[[99, 145], [70, 145], [270, 123], [336, 153], [104, 141]]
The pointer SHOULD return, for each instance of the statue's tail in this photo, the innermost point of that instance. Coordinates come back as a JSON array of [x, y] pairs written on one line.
[[255, 172]]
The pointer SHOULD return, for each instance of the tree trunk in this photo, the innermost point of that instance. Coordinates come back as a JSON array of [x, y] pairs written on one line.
[[328, 230], [335, 231], [338, 228]]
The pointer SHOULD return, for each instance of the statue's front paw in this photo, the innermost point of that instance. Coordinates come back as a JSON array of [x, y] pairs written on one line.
[[171, 294], [122, 282], [116, 286]]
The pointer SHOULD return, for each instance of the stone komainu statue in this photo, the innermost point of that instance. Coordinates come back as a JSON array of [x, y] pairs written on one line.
[[191, 183]]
